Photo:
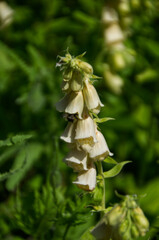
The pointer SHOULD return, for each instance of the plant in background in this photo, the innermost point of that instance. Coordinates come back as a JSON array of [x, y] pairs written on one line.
[[80, 106]]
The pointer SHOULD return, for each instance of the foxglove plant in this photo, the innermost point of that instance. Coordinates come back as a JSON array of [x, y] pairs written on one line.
[[80, 103], [88, 148]]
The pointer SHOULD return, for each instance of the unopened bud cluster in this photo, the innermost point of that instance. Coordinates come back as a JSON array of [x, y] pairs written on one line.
[[124, 221], [79, 104]]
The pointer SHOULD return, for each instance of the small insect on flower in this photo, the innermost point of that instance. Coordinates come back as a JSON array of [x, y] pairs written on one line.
[[70, 117]]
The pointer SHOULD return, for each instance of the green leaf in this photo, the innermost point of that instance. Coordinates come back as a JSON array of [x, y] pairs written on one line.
[[110, 160], [31, 153], [115, 170], [4, 176], [101, 120], [87, 235], [15, 140]]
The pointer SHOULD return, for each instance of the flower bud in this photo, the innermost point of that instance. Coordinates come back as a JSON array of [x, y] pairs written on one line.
[[100, 149], [86, 180], [77, 160], [115, 215], [71, 103], [91, 98], [123, 226], [67, 75], [76, 81], [84, 66], [140, 220], [134, 231]]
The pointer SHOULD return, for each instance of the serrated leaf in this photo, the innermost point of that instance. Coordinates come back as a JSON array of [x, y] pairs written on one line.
[[110, 160], [8, 153], [101, 120], [114, 171], [32, 153], [14, 140], [4, 176]]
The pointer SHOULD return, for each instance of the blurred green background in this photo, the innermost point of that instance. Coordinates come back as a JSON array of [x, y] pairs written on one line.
[[37, 197]]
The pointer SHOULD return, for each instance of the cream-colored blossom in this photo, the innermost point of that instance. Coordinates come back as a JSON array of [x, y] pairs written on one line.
[[6, 14], [69, 133], [100, 149], [113, 81], [91, 98], [113, 34], [109, 15], [85, 135], [76, 83], [71, 103], [86, 180], [77, 160]]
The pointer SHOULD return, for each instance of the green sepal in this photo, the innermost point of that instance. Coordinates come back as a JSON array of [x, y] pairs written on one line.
[[81, 55], [110, 160], [15, 140], [101, 120], [94, 77]]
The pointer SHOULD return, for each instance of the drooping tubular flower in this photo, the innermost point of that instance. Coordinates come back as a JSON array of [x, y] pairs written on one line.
[[80, 103]]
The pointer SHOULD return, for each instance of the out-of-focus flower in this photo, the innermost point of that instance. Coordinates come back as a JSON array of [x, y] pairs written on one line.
[[6, 14], [140, 220], [109, 15], [113, 81], [71, 103], [85, 134], [123, 222], [87, 179], [91, 98], [77, 160], [113, 34], [100, 149]]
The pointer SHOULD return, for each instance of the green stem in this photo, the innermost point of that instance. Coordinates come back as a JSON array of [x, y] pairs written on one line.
[[100, 172], [66, 231]]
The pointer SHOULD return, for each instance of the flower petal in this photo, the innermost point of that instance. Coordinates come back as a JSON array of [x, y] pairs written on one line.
[[87, 180], [91, 98], [100, 149], [69, 132], [71, 103], [77, 160], [85, 133]]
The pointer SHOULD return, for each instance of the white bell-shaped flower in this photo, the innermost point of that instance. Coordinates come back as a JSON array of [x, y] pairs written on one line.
[[85, 135], [77, 160], [86, 180], [113, 34], [91, 98], [69, 133], [100, 149], [71, 103]]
